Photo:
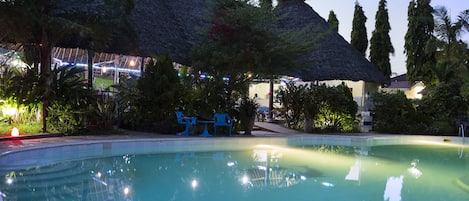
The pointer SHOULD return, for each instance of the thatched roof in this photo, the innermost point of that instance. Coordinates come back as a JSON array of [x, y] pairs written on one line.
[[166, 27], [170, 27], [334, 58]]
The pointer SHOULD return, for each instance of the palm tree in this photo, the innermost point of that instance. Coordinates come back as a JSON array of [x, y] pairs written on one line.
[[451, 51]]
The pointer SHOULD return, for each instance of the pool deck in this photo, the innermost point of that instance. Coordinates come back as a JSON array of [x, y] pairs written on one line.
[[262, 129]]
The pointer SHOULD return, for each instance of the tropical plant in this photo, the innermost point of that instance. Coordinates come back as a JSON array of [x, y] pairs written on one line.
[[451, 53], [292, 99], [380, 42], [247, 113], [127, 100]]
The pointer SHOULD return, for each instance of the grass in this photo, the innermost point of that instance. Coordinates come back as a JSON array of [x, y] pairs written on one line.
[[102, 83], [25, 129]]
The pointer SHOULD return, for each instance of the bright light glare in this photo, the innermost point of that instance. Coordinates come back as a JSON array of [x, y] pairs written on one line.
[[327, 184], [415, 172], [9, 111], [98, 174], [230, 164], [126, 191], [245, 180], [132, 63], [194, 183], [9, 180], [15, 132], [103, 69]]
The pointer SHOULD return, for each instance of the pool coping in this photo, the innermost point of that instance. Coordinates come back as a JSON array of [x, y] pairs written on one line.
[[81, 147]]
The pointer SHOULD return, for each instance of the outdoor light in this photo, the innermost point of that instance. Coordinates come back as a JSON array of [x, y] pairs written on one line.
[[132, 63], [15, 132], [104, 69]]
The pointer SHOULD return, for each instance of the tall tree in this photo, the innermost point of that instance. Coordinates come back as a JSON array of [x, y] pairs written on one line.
[[333, 21], [44, 24], [359, 36], [380, 43], [419, 31]]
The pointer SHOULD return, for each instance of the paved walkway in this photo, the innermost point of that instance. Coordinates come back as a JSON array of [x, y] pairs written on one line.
[[275, 128], [263, 129]]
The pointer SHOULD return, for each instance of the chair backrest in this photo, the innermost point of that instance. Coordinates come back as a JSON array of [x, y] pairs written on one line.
[[222, 119], [180, 116]]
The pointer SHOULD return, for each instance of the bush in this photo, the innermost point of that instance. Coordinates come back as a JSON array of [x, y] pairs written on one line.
[[328, 109], [394, 113]]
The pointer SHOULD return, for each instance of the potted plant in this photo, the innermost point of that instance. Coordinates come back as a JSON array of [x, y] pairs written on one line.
[[247, 114]]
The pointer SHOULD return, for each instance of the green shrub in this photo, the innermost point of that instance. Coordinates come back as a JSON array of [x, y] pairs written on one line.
[[394, 113]]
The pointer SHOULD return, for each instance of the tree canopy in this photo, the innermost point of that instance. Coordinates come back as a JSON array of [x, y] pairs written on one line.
[[245, 38], [380, 43], [420, 30], [359, 36]]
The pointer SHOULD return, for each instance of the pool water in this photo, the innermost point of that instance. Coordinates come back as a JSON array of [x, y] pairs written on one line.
[[316, 171]]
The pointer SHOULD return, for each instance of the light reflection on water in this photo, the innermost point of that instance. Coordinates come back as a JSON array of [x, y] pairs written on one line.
[[266, 172]]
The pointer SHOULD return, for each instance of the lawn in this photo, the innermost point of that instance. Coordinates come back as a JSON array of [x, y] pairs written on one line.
[[25, 129]]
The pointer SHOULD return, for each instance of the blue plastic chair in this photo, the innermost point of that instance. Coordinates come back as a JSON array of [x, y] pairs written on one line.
[[187, 121], [222, 119]]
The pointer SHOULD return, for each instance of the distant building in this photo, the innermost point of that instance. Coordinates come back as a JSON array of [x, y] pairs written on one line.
[[412, 90]]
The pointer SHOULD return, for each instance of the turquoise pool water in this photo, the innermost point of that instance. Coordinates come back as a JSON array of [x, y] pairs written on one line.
[[296, 168]]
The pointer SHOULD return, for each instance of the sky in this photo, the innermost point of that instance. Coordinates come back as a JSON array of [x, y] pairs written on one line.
[[397, 10]]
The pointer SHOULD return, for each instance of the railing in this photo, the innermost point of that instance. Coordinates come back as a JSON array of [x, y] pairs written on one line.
[[461, 130]]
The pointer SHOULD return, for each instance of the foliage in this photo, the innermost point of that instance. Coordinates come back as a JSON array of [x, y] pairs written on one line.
[[420, 30], [380, 42], [359, 37], [451, 53], [158, 89], [445, 106], [292, 99], [332, 109], [333, 21], [103, 113], [65, 119], [245, 38], [127, 100], [70, 99], [247, 112], [337, 108], [41, 25], [394, 113]]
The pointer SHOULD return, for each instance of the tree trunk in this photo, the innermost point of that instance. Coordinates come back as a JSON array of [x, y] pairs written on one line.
[[271, 100], [90, 69], [308, 125], [45, 49]]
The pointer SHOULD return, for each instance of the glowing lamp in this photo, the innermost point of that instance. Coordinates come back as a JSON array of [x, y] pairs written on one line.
[[15, 132], [132, 63]]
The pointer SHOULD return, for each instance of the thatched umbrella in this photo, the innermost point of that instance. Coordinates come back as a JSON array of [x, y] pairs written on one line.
[[334, 58]]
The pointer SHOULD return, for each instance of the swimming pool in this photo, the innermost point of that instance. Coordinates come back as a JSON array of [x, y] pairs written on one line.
[[304, 167]]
